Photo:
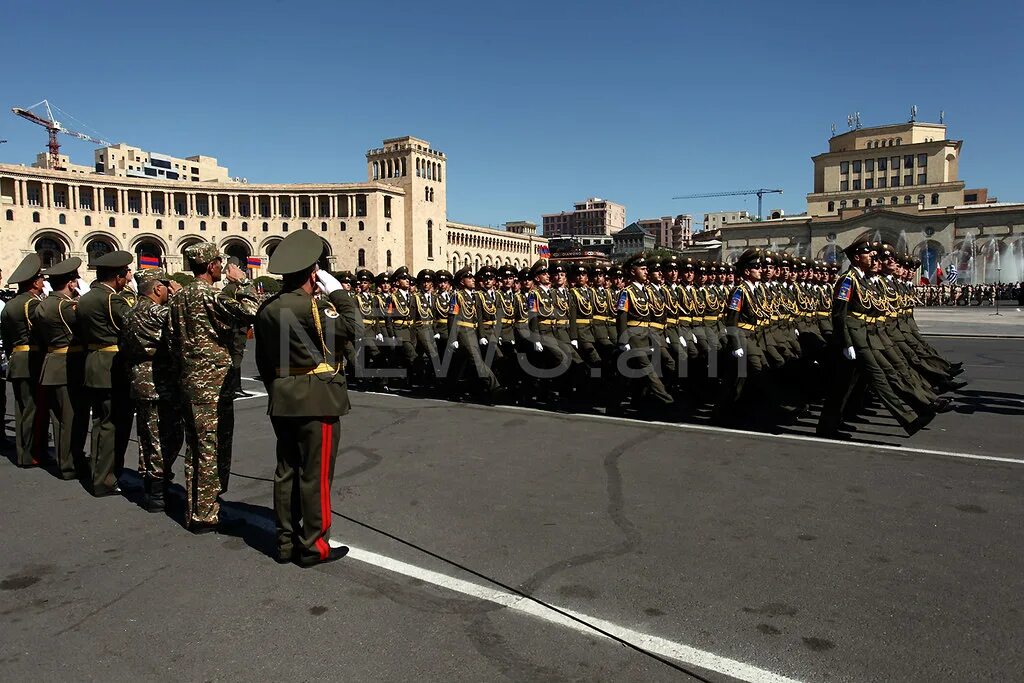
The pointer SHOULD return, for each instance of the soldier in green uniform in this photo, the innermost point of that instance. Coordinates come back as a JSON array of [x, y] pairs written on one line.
[[202, 324], [442, 301], [369, 331], [307, 395], [463, 324], [633, 324], [62, 375], [850, 320], [238, 342], [398, 323], [154, 382], [101, 313], [424, 336], [24, 360]]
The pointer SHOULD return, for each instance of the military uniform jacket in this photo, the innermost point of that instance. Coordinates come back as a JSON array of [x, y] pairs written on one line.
[[522, 315], [506, 305], [543, 306], [633, 311], [744, 314], [16, 331], [302, 370], [487, 304], [422, 309], [441, 302], [368, 307], [400, 316], [53, 329], [850, 310], [146, 351], [581, 314], [101, 313], [202, 324], [463, 316]]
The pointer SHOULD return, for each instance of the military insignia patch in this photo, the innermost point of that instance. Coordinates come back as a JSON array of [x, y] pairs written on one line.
[[331, 313], [845, 289], [736, 302], [623, 304]]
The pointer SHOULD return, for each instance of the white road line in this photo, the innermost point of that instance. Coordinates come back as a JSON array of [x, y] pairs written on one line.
[[682, 426], [253, 394], [654, 644]]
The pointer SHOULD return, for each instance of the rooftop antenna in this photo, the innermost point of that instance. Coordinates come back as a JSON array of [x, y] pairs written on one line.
[[942, 116], [913, 113], [833, 129], [849, 121], [856, 119]]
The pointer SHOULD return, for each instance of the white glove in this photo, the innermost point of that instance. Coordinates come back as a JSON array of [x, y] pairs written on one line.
[[849, 353], [47, 288], [455, 344], [437, 335], [327, 282], [538, 347], [694, 338], [682, 342], [626, 347], [483, 341], [738, 353], [83, 286], [379, 337], [575, 344], [797, 332], [668, 340]]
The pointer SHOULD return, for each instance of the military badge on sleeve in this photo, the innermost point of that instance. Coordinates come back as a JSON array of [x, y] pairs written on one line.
[[736, 302], [623, 304], [845, 290], [331, 313]]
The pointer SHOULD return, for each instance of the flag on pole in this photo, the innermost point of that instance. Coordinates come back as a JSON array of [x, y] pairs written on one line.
[[951, 274], [149, 262], [254, 261], [543, 251]]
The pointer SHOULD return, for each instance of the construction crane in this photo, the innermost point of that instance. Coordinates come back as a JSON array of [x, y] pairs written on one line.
[[53, 126], [759, 192]]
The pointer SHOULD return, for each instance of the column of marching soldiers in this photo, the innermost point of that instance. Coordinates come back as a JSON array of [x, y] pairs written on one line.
[[756, 342]]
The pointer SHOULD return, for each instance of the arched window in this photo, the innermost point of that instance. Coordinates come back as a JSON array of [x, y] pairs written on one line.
[[135, 222], [894, 200], [362, 258], [376, 170], [50, 251], [920, 199], [935, 199], [112, 223], [362, 226], [223, 226], [898, 141], [305, 225], [867, 202], [202, 225], [906, 199], [62, 219], [245, 226], [343, 226], [417, 168], [388, 256], [842, 204], [35, 216], [266, 227], [10, 215], [430, 239], [284, 227], [387, 227], [426, 194], [159, 224], [181, 225], [856, 203], [439, 173]]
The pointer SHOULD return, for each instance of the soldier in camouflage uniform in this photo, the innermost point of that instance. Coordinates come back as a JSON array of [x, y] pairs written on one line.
[[238, 341], [203, 322], [154, 382]]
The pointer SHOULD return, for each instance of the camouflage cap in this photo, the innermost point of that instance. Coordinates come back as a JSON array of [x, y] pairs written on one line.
[[144, 275], [202, 253]]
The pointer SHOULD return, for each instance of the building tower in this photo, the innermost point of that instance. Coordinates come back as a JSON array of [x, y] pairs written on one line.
[[410, 163]]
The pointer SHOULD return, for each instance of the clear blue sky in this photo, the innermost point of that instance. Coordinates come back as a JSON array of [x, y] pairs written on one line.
[[536, 104]]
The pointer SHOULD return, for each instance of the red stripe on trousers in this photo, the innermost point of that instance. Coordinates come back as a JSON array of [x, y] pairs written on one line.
[[326, 439]]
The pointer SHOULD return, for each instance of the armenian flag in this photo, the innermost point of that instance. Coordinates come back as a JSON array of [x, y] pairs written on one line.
[[543, 251], [149, 262], [254, 262]]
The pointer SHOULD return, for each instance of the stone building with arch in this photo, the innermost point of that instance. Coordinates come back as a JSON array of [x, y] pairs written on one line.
[[398, 216], [927, 215]]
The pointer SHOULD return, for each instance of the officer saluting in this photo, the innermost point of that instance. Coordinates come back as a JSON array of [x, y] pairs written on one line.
[[101, 313], [307, 394], [24, 360]]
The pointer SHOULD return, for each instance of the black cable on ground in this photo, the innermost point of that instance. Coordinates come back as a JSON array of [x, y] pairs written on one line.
[[504, 586]]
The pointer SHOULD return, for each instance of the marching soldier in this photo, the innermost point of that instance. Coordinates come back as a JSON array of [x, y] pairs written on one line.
[[307, 396], [442, 302], [633, 324], [368, 354], [398, 324], [62, 375], [203, 322], [424, 337], [463, 323], [24, 361], [100, 317], [154, 375]]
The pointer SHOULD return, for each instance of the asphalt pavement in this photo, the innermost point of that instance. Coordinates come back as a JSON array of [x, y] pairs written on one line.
[[739, 556]]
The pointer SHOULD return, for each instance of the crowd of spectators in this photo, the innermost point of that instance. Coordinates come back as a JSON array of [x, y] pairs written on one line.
[[971, 295]]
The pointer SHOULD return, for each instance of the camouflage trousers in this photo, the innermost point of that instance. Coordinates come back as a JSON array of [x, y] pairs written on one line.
[[209, 428], [161, 434]]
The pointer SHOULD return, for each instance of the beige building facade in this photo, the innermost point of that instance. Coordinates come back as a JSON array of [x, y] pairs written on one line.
[[673, 233], [930, 217], [397, 217], [593, 216]]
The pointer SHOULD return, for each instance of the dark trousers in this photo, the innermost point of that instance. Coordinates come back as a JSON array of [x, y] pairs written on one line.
[[69, 416], [29, 420], [111, 429], [468, 354], [845, 379], [306, 450]]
